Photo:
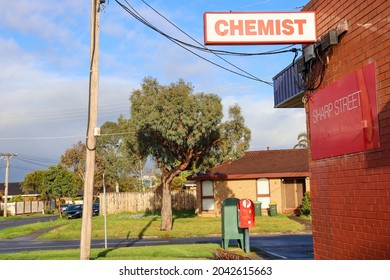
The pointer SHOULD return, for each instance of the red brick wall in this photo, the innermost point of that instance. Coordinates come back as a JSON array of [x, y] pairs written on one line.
[[351, 193]]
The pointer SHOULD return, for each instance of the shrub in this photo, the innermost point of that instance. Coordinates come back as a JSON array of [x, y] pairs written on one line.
[[64, 215], [2, 213], [48, 211], [305, 206], [17, 198]]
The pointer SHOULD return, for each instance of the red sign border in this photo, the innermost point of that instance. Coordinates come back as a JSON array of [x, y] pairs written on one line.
[[257, 43]]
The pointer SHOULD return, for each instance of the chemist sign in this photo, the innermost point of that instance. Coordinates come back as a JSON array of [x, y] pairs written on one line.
[[247, 28], [343, 116]]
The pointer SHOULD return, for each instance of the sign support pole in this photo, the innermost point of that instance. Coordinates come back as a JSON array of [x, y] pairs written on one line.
[[246, 240]]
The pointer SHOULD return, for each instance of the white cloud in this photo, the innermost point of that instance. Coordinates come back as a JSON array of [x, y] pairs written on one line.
[[44, 50], [270, 127]]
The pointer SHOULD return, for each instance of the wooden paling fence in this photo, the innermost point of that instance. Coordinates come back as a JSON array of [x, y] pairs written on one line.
[[146, 201]]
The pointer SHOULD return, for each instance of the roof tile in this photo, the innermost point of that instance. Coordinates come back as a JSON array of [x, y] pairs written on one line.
[[266, 161]]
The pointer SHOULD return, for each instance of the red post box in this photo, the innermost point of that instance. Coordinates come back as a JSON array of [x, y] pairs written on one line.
[[246, 213]]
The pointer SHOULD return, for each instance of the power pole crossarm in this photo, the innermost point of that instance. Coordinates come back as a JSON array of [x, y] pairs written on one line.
[[7, 158]]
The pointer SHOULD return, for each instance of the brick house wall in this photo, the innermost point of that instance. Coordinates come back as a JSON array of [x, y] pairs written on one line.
[[245, 188], [234, 188], [350, 194], [240, 189], [253, 177]]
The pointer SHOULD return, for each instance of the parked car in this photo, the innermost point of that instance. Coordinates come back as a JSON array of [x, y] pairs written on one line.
[[63, 207], [95, 209], [73, 211]]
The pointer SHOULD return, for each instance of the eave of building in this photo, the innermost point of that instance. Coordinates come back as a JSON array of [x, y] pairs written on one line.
[[220, 177], [293, 102]]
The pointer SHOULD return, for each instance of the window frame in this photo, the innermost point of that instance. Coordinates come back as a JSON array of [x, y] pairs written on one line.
[[207, 196]]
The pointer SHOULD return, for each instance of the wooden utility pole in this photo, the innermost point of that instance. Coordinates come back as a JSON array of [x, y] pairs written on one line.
[[86, 228], [7, 157]]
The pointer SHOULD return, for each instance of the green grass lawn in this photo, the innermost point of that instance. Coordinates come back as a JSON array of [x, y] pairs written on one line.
[[127, 225], [166, 252], [130, 226]]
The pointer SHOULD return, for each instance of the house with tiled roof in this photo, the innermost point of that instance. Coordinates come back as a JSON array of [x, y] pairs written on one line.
[[280, 176], [30, 202], [15, 189]]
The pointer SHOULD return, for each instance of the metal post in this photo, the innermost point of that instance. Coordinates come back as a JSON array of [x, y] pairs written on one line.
[[105, 213], [246, 240]]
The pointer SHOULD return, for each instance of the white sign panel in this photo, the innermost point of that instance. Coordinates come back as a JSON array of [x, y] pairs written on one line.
[[244, 28]]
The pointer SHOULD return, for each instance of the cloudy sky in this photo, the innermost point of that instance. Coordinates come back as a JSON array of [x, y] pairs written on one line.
[[44, 55]]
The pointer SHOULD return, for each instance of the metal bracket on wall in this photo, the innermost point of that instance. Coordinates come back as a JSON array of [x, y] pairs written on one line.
[[342, 27]]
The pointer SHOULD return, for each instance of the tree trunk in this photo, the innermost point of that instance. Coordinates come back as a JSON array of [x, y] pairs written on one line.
[[116, 186], [166, 207], [59, 208]]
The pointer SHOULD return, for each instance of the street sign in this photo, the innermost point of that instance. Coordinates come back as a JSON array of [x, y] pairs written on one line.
[[343, 115]]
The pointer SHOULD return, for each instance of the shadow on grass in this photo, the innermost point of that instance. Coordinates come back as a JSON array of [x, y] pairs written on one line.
[[104, 253], [182, 214], [175, 214], [141, 233], [128, 244]]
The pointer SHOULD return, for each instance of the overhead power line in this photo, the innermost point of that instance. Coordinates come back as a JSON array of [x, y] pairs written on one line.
[[39, 159], [62, 137], [219, 53], [32, 162], [60, 114], [36, 160], [21, 168], [41, 138], [201, 47]]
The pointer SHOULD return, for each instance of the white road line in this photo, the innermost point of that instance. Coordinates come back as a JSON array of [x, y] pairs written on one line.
[[276, 255]]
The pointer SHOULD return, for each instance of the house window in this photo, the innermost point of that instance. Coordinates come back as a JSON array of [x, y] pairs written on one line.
[[207, 196], [263, 192]]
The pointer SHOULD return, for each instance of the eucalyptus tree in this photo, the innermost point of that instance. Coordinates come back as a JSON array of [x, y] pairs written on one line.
[[74, 159], [181, 130], [119, 165], [235, 137]]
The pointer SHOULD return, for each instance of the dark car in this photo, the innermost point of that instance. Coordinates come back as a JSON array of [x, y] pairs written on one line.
[[63, 207], [95, 209], [73, 211]]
